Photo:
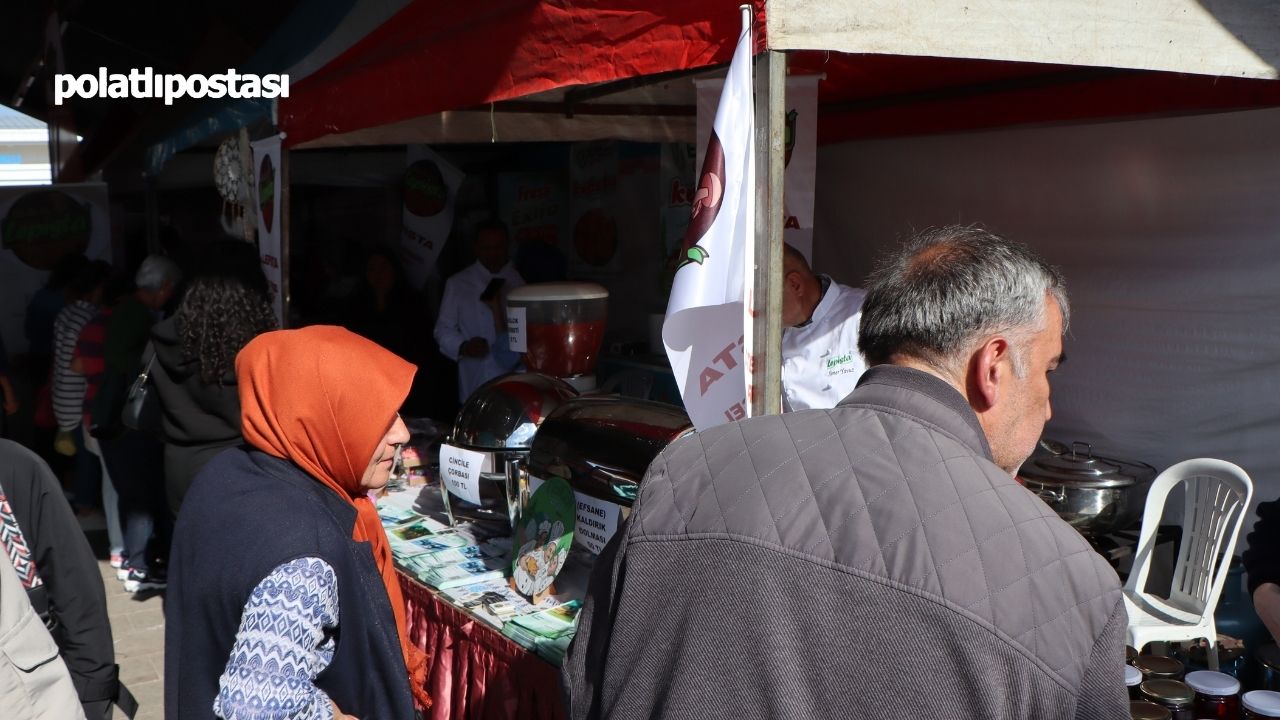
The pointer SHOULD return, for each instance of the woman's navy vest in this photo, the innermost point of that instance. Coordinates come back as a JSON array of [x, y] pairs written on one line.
[[246, 514]]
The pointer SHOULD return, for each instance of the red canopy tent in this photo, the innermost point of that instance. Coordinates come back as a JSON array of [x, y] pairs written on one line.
[[580, 63]]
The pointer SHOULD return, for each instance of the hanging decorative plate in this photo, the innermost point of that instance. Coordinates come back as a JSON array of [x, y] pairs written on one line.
[[228, 173]]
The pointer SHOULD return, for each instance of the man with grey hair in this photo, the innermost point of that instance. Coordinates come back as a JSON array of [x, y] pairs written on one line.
[[877, 559]]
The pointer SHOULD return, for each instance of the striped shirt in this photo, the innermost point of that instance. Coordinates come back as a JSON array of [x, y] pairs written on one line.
[[91, 351], [68, 387]]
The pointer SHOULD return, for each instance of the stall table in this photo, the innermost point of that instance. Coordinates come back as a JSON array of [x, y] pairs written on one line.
[[474, 672]]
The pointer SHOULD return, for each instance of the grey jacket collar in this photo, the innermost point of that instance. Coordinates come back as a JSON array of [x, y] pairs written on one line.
[[923, 396]]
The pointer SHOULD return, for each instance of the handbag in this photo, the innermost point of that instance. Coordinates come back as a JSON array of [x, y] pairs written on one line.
[[141, 406]]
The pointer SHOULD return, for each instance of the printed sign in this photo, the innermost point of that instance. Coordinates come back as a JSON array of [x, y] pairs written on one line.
[[597, 520], [39, 226], [460, 469], [543, 538], [270, 240], [517, 330], [593, 168], [430, 187]]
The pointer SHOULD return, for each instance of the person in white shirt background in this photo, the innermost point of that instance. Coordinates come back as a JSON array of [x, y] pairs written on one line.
[[820, 359], [467, 328]]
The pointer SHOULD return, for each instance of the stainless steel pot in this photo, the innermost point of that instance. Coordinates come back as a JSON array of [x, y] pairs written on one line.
[[499, 420], [1096, 495]]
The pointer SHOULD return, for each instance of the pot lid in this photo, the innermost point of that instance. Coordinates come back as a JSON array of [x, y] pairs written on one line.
[[1078, 466], [1208, 682], [1132, 676], [604, 445], [1169, 693], [504, 413], [1158, 666], [557, 291]]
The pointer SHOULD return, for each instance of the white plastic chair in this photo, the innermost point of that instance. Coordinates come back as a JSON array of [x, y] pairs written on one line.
[[1217, 494]]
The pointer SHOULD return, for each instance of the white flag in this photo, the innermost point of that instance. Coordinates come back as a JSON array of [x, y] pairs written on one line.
[[703, 332]]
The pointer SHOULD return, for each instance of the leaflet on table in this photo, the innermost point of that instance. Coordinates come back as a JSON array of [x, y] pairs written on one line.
[[548, 632], [552, 623], [492, 601], [460, 471], [392, 516], [463, 573], [452, 556], [597, 520], [422, 527]]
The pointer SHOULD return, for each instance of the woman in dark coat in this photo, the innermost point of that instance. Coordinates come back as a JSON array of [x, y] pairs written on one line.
[[282, 592], [224, 307]]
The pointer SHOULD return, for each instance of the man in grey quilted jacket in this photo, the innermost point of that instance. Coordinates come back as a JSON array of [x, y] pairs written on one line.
[[876, 560]]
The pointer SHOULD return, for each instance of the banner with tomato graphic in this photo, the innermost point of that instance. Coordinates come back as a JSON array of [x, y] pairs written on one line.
[[266, 197], [39, 226], [430, 187]]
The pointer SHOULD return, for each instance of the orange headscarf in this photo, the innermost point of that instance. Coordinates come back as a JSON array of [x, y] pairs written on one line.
[[323, 398]]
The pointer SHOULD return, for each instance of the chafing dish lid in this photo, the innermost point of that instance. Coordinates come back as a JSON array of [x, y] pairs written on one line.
[[504, 413], [603, 445]]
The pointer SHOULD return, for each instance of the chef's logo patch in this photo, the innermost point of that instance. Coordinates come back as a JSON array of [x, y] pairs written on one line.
[[840, 364], [706, 203]]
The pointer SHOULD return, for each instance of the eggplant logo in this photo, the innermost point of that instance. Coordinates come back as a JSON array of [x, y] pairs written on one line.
[[425, 192], [267, 192], [44, 226], [706, 203]]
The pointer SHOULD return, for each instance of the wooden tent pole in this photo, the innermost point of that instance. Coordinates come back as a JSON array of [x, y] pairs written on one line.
[[766, 365]]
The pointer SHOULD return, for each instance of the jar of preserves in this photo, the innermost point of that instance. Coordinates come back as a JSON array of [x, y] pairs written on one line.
[[1159, 667], [1170, 694], [1217, 695], [1132, 680], [1148, 711], [1261, 705]]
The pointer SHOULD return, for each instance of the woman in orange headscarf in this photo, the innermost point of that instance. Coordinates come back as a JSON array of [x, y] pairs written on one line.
[[283, 601]]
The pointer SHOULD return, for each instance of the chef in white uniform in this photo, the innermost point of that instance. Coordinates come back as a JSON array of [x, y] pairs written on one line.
[[820, 359], [467, 328]]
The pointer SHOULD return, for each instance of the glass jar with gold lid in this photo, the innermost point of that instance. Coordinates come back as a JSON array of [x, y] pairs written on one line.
[[1159, 667], [1176, 696]]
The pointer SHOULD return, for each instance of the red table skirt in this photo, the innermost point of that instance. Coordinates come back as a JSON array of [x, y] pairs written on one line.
[[476, 673]]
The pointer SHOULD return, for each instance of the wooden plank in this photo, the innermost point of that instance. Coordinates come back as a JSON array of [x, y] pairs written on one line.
[[766, 301]]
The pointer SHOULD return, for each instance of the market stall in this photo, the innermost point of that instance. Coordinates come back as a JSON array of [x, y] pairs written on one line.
[[893, 73]]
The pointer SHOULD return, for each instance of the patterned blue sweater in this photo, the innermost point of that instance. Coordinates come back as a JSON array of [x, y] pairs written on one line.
[[286, 638]]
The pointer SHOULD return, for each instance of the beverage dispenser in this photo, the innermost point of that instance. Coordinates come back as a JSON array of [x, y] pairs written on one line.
[[563, 328]]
